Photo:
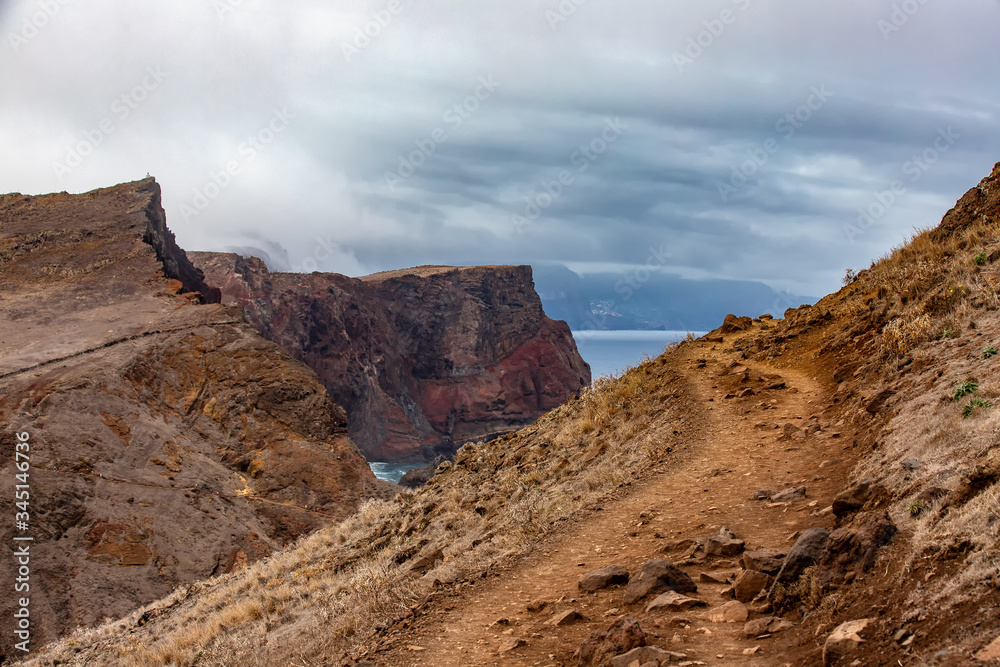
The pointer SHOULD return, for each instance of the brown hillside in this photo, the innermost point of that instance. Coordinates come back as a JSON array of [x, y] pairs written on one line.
[[868, 400], [169, 441]]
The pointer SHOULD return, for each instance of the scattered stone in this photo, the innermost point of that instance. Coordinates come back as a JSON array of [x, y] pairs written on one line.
[[788, 431], [733, 324], [658, 576], [767, 625], [715, 577], [763, 494], [844, 640], [731, 612], [727, 592], [622, 636], [990, 652], [673, 601], [536, 605], [775, 385], [763, 560], [789, 495], [743, 393], [724, 543], [679, 545], [566, 618], [854, 497], [645, 654], [751, 651], [609, 575], [512, 644], [749, 584], [910, 464], [806, 551]]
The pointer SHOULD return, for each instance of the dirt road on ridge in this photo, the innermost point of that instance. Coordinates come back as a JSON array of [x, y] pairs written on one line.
[[737, 447]]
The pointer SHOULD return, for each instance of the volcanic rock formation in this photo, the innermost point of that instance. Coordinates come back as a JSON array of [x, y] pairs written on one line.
[[168, 440], [423, 359]]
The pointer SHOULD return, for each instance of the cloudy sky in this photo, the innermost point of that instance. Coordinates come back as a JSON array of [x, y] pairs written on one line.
[[722, 138]]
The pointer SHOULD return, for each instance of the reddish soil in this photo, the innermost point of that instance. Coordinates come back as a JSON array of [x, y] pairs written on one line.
[[737, 449]]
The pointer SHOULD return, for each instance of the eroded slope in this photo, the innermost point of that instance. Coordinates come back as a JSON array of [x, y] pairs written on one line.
[[169, 441]]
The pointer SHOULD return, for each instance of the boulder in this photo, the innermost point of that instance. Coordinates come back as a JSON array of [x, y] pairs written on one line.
[[731, 612], [854, 497], [622, 636], [762, 494], [673, 601], [766, 625], [658, 576], [749, 585], [609, 575], [647, 654], [807, 551], [844, 640], [724, 543], [763, 560], [854, 548], [734, 324]]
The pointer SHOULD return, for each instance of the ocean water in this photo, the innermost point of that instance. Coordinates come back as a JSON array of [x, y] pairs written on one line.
[[611, 352], [392, 472]]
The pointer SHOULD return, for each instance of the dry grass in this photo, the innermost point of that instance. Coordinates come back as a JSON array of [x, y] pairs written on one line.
[[323, 598], [924, 290]]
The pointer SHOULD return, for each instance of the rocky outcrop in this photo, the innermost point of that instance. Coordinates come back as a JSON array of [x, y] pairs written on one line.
[[168, 440], [423, 359]]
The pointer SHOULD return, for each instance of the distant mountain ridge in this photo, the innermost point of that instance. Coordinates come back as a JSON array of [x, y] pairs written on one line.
[[662, 301]]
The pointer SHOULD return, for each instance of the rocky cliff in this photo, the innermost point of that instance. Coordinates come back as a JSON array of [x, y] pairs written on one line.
[[169, 441], [423, 359]]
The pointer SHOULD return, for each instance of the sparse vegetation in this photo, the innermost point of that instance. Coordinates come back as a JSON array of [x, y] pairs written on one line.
[[974, 403], [989, 352], [850, 275], [964, 389], [915, 508], [495, 502], [979, 259], [947, 333]]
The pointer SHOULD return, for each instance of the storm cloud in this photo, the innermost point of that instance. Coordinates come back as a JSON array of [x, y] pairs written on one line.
[[772, 140]]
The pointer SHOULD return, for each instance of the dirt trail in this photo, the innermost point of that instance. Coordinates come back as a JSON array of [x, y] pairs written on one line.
[[737, 449]]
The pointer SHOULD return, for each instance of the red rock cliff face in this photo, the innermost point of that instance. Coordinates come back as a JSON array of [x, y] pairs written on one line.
[[423, 359], [169, 440]]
